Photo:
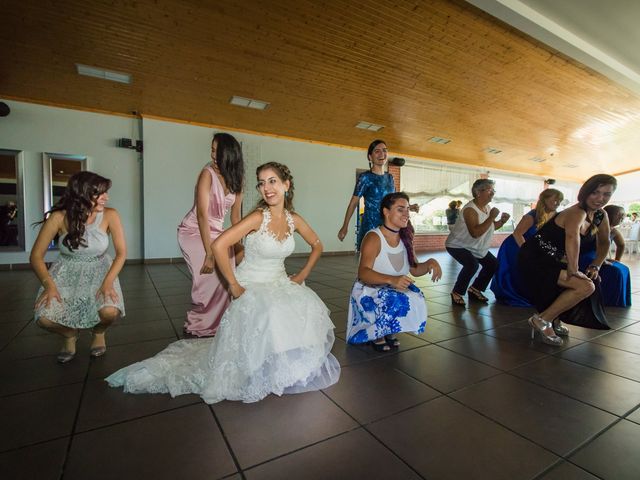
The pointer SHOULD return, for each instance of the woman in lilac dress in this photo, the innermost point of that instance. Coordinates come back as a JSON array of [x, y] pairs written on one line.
[[219, 189]]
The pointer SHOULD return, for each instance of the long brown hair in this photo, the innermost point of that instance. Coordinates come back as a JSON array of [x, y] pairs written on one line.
[[590, 186], [284, 174], [77, 202]]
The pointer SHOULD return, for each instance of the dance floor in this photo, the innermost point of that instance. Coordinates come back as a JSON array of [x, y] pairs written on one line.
[[471, 398]]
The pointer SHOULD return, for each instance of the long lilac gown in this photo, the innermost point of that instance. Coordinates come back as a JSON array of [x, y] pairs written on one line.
[[209, 295]]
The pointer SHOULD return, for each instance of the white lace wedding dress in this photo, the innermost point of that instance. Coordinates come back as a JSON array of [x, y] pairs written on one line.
[[275, 338]]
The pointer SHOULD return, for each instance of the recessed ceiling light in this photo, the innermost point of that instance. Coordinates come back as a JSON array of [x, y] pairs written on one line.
[[538, 159], [493, 150], [440, 140], [248, 103], [103, 74], [570, 165], [369, 126]]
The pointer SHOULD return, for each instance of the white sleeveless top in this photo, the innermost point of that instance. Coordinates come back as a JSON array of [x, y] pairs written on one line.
[[391, 260], [461, 238]]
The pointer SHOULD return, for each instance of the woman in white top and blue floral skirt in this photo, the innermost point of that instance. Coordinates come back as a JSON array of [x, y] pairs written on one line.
[[384, 301], [469, 242]]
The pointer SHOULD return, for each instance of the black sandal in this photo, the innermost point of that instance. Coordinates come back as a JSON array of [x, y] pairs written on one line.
[[477, 296], [392, 341], [457, 300], [380, 347]]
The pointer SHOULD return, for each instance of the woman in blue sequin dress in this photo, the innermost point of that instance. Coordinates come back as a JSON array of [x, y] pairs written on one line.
[[81, 290], [372, 185]]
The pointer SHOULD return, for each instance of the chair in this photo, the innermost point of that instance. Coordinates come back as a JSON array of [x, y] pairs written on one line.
[[633, 238]]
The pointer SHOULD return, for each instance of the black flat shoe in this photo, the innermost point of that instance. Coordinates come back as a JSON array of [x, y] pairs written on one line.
[[477, 296], [380, 347], [392, 341], [457, 300]]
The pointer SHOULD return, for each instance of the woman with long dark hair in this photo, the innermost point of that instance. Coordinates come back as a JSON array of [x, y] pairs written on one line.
[[372, 185], [219, 189], [384, 300], [549, 269], [81, 290], [275, 337]]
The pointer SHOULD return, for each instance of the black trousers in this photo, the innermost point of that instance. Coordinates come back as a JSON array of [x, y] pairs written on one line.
[[470, 266]]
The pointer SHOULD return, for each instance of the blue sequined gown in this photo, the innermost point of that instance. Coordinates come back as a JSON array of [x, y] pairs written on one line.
[[373, 188]]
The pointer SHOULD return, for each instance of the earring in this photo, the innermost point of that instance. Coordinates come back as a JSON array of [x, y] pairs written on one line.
[[286, 193]]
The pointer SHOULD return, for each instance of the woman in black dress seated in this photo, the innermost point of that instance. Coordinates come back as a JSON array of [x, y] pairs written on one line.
[[548, 262]]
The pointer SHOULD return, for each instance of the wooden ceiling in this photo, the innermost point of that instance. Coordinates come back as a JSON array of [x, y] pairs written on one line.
[[420, 68]]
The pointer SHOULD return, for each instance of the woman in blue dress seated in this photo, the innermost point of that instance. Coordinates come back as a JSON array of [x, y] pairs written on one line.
[[614, 276], [384, 301], [505, 282]]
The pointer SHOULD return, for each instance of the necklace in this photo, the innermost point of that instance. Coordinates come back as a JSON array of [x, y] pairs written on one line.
[[390, 229]]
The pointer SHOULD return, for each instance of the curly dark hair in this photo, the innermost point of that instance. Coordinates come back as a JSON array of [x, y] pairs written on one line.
[[229, 161], [590, 186], [284, 174], [407, 233], [77, 202]]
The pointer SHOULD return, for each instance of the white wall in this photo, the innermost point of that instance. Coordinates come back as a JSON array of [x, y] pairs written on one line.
[[324, 178], [34, 129]]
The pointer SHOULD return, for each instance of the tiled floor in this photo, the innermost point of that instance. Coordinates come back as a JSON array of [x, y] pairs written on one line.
[[472, 397]]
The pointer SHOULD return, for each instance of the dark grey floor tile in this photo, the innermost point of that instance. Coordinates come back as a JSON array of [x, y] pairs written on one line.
[[603, 390], [34, 417], [634, 416], [353, 455], [43, 461], [372, 390], [19, 316], [183, 443], [614, 454], [620, 340], [139, 332], [519, 333], [103, 405], [179, 299], [178, 311], [8, 331], [567, 471], [278, 425], [434, 308], [468, 319], [348, 354], [142, 315], [437, 331], [143, 302], [444, 440], [497, 353], [440, 368], [19, 376], [609, 359], [633, 328], [119, 356], [550, 419], [42, 345]]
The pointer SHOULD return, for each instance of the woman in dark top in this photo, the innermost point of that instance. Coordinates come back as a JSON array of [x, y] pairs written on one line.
[[505, 284], [548, 262], [452, 212]]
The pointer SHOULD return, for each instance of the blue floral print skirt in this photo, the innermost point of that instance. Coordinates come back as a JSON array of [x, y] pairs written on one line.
[[376, 311]]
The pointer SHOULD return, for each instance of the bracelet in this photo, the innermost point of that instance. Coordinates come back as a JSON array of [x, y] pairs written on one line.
[[593, 266]]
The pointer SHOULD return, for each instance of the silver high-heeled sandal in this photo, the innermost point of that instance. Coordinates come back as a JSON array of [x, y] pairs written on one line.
[[539, 324], [560, 329]]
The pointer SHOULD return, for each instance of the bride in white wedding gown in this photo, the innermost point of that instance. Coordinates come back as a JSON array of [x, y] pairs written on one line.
[[276, 335]]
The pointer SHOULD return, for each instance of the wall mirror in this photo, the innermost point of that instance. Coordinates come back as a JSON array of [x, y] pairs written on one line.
[[57, 169], [11, 201]]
